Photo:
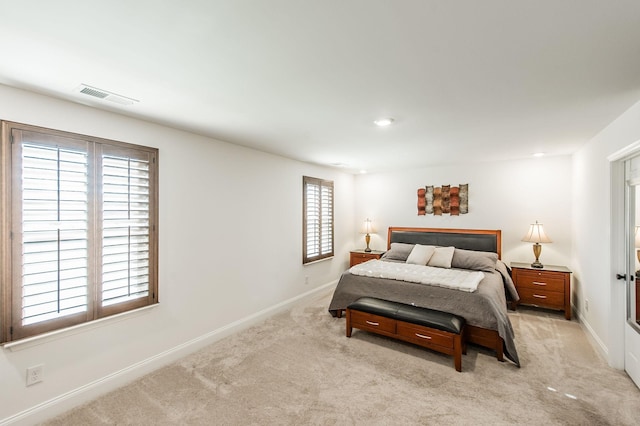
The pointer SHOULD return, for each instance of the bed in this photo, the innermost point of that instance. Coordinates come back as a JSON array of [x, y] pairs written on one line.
[[484, 308]]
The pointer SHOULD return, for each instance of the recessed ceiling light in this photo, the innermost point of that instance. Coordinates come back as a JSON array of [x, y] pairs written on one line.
[[539, 154], [383, 122], [362, 172]]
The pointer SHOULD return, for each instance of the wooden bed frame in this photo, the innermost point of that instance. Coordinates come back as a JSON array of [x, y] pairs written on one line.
[[468, 239]]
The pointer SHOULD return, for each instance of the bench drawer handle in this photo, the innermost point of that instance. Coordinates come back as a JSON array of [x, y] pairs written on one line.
[[422, 336], [539, 296], [372, 323], [539, 283]]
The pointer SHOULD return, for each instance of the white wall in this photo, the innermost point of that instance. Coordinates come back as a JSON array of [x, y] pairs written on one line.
[[594, 274], [502, 195], [230, 248]]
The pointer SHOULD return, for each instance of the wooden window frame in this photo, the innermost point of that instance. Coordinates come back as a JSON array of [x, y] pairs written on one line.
[[321, 183], [11, 324]]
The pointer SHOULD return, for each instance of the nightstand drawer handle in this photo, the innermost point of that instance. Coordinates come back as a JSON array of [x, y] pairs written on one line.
[[372, 323], [422, 336], [539, 296], [539, 283]]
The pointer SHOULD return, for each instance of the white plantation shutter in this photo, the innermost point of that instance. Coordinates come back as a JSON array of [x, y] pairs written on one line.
[[318, 219], [82, 238], [326, 215], [54, 232], [125, 234], [125, 238]]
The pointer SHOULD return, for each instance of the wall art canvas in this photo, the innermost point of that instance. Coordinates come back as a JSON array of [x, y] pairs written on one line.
[[445, 199]]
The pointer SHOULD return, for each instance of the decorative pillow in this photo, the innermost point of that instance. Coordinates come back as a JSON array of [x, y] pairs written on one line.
[[475, 260], [441, 257], [398, 251], [420, 254]]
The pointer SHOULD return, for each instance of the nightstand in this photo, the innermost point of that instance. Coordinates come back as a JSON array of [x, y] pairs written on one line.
[[548, 287], [360, 256]]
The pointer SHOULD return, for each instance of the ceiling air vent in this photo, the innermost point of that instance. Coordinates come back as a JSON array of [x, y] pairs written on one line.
[[103, 94]]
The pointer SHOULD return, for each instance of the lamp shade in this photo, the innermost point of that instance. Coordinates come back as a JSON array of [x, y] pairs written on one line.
[[536, 234], [367, 227], [637, 242]]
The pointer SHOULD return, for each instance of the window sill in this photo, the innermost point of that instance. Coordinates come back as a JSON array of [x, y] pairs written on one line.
[[41, 339], [318, 261]]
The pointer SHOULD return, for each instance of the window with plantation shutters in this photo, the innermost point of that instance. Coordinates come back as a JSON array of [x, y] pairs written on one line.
[[79, 238], [318, 219]]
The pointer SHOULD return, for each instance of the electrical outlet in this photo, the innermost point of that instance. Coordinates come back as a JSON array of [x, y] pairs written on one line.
[[306, 279], [586, 305], [35, 374]]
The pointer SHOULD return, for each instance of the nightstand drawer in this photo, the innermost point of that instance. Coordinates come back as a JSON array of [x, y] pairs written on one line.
[[358, 256], [549, 281], [364, 321], [551, 299]]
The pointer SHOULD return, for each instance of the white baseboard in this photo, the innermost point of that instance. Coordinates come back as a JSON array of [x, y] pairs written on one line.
[[593, 338], [92, 390]]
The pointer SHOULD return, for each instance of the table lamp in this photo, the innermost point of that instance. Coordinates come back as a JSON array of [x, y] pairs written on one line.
[[536, 235], [367, 229]]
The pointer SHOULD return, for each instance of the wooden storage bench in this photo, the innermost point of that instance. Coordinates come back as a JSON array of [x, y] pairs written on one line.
[[440, 331]]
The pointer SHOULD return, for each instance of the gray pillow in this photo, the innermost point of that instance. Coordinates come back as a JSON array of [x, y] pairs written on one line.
[[398, 251], [474, 260]]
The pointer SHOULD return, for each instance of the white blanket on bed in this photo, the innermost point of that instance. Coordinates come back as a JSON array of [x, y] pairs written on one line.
[[450, 278]]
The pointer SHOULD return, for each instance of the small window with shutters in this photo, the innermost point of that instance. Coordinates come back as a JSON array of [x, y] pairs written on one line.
[[79, 229], [317, 219]]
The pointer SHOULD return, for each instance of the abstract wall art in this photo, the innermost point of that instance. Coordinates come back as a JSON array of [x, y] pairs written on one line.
[[445, 199]]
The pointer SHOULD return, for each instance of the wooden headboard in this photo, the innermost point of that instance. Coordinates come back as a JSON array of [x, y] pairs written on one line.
[[467, 239]]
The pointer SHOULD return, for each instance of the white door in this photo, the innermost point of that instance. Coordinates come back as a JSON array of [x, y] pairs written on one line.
[[632, 231]]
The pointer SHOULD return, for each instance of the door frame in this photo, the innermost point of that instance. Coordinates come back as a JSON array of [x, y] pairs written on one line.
[[618, 261]]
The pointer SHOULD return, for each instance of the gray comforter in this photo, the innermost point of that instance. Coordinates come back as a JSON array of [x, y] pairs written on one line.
[[486, 307]]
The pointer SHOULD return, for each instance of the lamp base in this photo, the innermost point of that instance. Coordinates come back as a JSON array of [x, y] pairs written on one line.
[[537, 264], [367, 238], [537, 249]]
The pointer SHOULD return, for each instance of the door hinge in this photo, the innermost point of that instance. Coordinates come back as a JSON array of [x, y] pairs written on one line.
[[621, 277], [11, 330]]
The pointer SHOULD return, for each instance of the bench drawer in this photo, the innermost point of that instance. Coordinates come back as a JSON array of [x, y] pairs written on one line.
[[366, 321], [424, 336]]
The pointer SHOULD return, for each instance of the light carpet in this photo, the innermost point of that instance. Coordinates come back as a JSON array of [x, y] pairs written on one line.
[[298, 368]]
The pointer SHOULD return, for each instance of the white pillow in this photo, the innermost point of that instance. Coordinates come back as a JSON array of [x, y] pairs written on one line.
[[441, 257], [420, 254]]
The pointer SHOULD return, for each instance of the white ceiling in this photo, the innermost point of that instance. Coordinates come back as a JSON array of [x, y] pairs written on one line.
[[465, 80]]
